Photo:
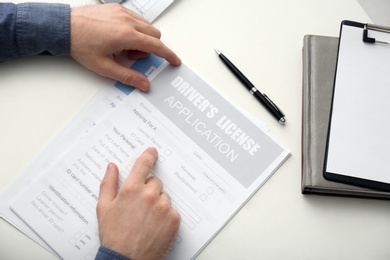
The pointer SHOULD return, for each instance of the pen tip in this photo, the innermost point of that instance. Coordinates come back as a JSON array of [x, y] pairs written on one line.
[[217, 51]]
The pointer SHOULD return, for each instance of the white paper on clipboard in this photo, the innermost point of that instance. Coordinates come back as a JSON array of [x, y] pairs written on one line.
[[358, 148]]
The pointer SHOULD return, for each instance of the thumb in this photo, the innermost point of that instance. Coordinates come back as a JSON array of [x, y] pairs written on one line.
[[126, 75], [109, 185]]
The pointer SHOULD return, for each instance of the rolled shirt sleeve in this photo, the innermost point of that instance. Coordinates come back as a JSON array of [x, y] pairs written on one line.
[[105, 253], [29, 29]]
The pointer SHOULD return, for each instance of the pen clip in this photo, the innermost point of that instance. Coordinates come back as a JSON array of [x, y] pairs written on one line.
[[272, 103]]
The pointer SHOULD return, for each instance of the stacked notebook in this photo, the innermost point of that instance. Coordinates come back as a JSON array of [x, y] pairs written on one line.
[[319, 62]]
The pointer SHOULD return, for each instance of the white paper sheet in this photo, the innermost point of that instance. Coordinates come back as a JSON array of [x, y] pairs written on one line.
[[108, 98], [211, 160], [149, 9], [359, 134]]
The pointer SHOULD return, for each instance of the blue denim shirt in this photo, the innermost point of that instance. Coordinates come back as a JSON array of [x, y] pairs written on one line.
[[34, 28], [105, 253]]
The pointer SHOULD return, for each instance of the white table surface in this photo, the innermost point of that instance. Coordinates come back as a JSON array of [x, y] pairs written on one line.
[[39, 95]]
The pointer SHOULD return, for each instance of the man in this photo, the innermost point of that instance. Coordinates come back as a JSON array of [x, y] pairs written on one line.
[[137, 221]]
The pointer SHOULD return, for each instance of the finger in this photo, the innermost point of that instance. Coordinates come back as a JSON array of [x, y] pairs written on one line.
[[174, 218], [155, 183], [143, 166], [135, 55], [148, 44], [109, 184], [116, 71], [147, 28], [166, 197]]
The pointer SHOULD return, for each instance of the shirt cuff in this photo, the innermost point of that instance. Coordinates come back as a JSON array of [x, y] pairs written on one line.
[[105, 253], [43, 29]]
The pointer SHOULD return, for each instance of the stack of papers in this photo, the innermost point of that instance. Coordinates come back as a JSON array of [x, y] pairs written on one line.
[[212, 159]]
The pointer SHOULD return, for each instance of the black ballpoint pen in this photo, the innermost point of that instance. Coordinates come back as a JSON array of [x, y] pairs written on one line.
[[261, 97]]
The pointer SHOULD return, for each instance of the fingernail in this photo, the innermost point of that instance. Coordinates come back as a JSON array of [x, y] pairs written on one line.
[[144, 85], [109, 166], [153, 150], [178, 61]]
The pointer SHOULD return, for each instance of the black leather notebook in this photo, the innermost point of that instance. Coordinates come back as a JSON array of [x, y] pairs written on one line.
[[319, 63]]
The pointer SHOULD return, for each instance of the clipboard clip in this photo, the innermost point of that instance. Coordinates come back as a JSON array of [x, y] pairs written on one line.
[[378, 28]]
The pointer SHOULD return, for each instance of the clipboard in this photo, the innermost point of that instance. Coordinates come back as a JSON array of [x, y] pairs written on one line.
[[358, 141]]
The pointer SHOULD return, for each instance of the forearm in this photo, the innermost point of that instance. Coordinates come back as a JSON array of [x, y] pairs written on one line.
[[34, 28]]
